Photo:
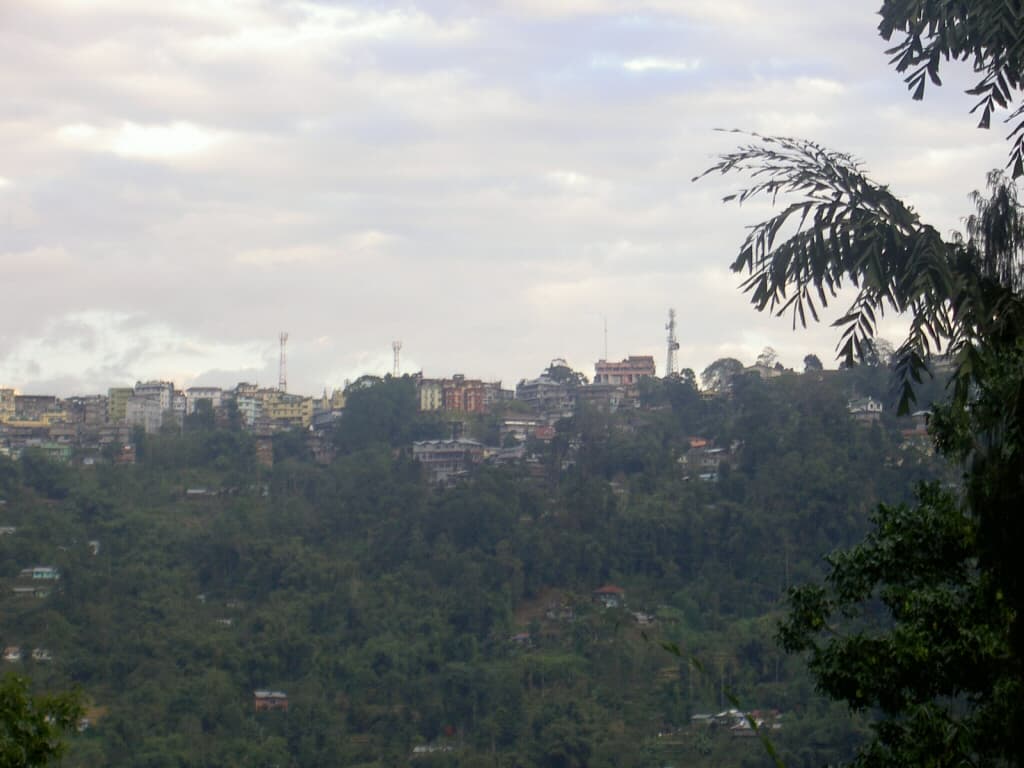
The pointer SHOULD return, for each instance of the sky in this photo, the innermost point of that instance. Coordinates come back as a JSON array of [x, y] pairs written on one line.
[[492, 184]]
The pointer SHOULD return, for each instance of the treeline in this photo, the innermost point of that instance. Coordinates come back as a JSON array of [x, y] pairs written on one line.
[[397, 615]]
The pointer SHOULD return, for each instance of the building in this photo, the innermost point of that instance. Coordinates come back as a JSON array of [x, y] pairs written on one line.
[[610, 596], [144, 412], [626, 373], [865, 410], [285, 410], [444, 459], [270, 701], [554, 399], [463, 395], [161, 391], [431, 394], [40, 573], [7, 410], [194, 394], [36, 408], [117, 404], [604, 397], [90, 410]]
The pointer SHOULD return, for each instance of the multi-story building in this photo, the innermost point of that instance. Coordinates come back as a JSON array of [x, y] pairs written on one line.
[[463, 395], [144, 412], [90, 410], [445, 459], [554, 399], [117, 404], [162, 391], [625, 373], [282, 409], [431, 392], [35, 408], [494, 394], [7, 410], [194, 394]]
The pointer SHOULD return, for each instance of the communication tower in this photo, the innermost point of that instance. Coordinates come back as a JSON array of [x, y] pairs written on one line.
[[396, 347], [282, 365], [673, 344]]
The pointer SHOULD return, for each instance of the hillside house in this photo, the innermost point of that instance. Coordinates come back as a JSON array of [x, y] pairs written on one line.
[[610, 596], [865, 410], [270, 701], [445, 459], [40, 573]]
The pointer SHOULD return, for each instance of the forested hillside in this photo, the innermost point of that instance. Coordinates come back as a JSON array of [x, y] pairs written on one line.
[[453, 626]]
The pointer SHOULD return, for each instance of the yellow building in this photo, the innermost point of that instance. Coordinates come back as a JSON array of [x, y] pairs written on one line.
[[117, 404], [283, 408], [6, 405]]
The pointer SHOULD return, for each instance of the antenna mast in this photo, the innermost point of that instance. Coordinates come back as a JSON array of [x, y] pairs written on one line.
[[396, 347], [673, 344], [282, 365]]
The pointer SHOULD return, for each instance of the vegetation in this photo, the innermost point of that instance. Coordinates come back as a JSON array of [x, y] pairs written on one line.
[[923, 622], [398, 616], [31, 726]]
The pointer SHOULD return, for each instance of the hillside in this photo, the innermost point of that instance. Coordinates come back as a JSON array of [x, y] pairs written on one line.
[[519, 617]]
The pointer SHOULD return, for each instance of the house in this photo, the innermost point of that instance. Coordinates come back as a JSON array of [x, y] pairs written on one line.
[[626, 373], [610, 596], [865, 410], [39, 592], [12, 654], [41, 655], [40, 572], [553, 399], [270, 701], [444, 459]]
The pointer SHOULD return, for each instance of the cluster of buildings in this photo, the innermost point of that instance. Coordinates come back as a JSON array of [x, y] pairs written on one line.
[[86, 425]]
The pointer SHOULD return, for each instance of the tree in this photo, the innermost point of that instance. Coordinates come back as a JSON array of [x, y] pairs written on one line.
[[31, 726], [945, 662], [560, 371], [987, 32], [768, 357], [718, 376], [812, 363], [959, 301]]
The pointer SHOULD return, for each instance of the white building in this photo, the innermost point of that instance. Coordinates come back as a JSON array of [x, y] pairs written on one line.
[[162, 391], [144, 412]]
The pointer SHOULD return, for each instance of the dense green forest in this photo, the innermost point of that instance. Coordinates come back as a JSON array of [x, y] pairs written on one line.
[[454, 626]]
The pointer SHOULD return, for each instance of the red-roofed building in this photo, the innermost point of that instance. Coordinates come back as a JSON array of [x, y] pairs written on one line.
[[610, 596]]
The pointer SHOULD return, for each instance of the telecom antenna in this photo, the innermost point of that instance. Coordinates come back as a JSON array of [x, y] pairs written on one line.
[[282, 365], [673, 344], [396, 347]]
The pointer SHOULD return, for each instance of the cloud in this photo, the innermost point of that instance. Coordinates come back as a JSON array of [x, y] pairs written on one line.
[[33, 260], [659, 64], [149, 142], [484, 182], [99, 349]]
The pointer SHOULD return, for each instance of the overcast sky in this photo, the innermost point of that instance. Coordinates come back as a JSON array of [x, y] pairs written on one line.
[[487, 182]]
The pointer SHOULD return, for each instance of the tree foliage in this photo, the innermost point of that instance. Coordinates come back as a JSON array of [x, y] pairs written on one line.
[[941, 657], [988, 33], [31, 727]]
